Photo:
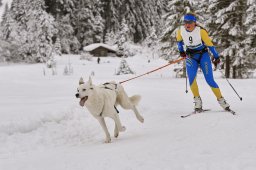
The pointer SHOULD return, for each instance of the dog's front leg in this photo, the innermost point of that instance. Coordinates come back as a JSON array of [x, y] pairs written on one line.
[[104, 127]]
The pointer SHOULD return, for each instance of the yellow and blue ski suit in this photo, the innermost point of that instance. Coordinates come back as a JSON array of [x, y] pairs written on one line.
[[198, 56]]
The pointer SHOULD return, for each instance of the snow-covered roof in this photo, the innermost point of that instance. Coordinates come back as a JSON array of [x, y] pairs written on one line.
[[92, 47]]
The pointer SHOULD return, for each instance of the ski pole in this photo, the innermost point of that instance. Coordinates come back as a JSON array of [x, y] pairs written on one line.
[[186, 83], [231, 85]]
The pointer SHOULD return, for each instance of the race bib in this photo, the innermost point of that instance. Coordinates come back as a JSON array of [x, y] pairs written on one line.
[[191, 39]]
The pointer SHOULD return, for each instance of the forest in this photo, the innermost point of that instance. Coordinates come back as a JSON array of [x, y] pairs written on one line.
[[34, 31]]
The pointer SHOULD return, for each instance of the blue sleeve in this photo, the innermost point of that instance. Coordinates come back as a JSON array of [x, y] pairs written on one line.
[[213, 51], [180, 46]]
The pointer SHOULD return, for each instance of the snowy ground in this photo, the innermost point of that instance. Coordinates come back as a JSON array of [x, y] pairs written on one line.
[[42, 126]]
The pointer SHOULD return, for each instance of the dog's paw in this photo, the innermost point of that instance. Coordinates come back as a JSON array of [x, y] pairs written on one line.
[[108, 140], [116, 135], [141, 119], [123, 129]]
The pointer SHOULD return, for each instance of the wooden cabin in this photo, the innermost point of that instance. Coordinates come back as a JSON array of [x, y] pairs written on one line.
[[100, 50]]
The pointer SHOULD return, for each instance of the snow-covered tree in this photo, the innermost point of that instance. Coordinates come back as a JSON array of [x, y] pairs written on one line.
[[228, 29], [123, 34], [7, 24], [57, 47], [124, 68], [88, 24], [31, 30], [173, 19], [111, 38], [250, 41], [140, 16], [66, 35]]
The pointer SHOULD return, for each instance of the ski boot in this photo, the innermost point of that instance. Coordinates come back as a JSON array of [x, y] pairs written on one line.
[[223, 103], [198, 104]]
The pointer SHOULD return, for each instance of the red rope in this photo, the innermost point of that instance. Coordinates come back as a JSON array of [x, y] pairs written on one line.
[[172, 62]]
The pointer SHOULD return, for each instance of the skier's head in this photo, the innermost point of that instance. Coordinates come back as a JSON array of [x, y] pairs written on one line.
[[190, 21]]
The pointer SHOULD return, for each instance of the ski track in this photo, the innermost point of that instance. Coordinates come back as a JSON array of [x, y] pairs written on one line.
[[47, 129]]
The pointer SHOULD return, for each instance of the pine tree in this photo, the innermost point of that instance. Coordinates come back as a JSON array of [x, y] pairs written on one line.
[[87, 22], [124, 68], [140, 17], [66, 35], [7, 23], [32, 30], [63, 12], [173, 18], [230, 33], [250, 41], [8, 47], [110, 38], [123, 34], [57, 47]]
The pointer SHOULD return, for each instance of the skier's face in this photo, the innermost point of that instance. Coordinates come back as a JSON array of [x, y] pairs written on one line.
[[190, 25]]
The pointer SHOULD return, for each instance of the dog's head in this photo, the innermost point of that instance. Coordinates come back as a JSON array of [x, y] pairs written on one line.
[[84, 90]]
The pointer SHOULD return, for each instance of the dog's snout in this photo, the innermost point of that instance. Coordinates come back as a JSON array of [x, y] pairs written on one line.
[[77, 95]]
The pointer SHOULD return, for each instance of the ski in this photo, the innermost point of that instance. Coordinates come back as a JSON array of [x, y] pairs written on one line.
[[195, 112], [230, 111], [204, 110]]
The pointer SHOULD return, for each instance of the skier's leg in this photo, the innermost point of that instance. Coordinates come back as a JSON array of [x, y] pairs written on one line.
[[206, 66], [192, 67]]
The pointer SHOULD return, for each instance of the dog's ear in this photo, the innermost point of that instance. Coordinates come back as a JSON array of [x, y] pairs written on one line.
[[90, 81], [81, 81]]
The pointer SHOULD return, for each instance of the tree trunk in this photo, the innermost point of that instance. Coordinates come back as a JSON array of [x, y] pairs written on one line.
[[227, 70], [234, 72], [239, 70]]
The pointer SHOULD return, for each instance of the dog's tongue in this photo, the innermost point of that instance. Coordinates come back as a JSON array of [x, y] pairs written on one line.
[[82, 101]]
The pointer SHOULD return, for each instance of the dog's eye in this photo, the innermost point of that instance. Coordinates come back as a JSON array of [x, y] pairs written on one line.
[[84, 89], [91, 88]]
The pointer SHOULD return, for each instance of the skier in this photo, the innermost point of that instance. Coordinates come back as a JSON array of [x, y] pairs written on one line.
[[197, 43]]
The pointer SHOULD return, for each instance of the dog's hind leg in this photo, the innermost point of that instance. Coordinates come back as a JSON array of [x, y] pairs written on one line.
[[137, 114], [104, 127], [116, 131], [118, 124]]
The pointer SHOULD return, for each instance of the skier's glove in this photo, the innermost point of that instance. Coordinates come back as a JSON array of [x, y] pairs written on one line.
[[216, 62], [183, 54]]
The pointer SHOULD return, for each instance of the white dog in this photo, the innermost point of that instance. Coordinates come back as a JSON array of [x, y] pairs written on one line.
[[101, 101]]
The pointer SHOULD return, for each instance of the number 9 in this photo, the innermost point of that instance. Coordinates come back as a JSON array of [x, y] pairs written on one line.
[[190, 40]]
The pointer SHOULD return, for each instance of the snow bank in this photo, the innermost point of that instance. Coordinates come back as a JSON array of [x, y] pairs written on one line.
[[73, 127]]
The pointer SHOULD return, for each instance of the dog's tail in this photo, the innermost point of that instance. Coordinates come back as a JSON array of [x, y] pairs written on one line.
[[135, 99]]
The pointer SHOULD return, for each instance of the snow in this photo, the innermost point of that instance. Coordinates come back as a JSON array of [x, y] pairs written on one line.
[[43, 127], [92, 47]]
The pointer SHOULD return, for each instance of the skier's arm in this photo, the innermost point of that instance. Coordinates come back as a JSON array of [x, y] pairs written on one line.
[[179, 41], [206, 39]]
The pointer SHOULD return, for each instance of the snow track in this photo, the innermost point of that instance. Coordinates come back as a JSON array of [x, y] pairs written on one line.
[[42, 126], [71, 128]]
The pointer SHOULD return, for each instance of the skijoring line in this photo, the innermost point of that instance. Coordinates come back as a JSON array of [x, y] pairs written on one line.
[[172, 62]]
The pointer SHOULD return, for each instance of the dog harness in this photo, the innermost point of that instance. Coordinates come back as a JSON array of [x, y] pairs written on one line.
[[105, 86]]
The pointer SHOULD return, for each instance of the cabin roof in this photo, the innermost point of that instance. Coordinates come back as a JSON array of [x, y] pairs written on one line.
[[94, 46]]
